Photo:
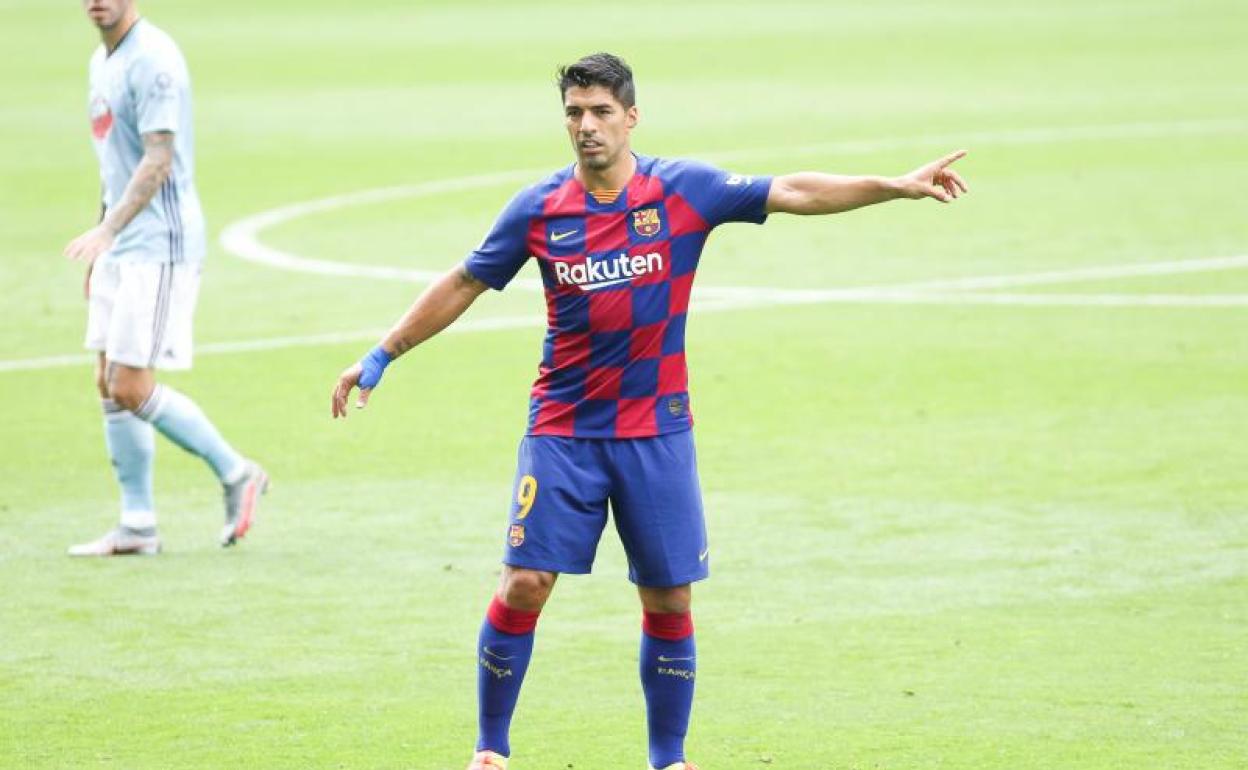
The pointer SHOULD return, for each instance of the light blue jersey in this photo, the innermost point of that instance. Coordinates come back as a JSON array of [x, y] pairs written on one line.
[[141, 87]]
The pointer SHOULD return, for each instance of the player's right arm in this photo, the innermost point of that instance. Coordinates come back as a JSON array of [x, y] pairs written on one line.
[[156, 83], [435, 309], [490, 266], [149, 175]]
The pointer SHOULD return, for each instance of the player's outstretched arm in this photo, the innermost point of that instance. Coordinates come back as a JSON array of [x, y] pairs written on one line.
[[435, 309], [149, 175], [815, 193]]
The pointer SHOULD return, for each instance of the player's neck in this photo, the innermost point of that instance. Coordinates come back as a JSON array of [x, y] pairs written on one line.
[[613, 178], [113, 36]]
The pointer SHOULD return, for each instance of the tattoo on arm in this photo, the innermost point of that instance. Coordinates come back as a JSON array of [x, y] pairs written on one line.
[[401, 346], [435, 309], [150, 174]]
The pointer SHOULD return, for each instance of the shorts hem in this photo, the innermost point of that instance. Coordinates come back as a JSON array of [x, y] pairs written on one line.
[[560, 569], [178, 367], [668, 583], [174, 367], [124, 362]]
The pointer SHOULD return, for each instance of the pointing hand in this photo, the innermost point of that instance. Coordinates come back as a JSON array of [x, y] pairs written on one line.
[[935, 180]]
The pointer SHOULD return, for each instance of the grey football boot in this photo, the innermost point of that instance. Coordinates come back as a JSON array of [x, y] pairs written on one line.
[[241, 500]]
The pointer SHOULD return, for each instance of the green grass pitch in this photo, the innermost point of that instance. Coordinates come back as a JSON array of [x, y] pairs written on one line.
[[945, 534]]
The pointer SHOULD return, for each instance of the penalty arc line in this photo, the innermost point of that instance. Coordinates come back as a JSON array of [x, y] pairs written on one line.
[[241, 238]]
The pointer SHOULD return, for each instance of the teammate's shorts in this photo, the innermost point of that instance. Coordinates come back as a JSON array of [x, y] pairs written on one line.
[[559, 506], [139, 313]]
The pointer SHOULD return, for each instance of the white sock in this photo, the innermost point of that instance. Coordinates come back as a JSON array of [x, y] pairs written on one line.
[[142, 522], [131, 448]]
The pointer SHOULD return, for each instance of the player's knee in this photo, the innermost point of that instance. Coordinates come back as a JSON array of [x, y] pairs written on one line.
[[526, 589], [128, 395], [674, 600]]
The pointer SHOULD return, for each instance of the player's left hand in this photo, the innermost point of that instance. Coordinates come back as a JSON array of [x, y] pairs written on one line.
[[935, 180], [90, 244], [365, 374], [347, 381]]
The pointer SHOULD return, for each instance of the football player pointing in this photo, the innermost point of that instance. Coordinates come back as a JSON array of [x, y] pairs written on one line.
[[617, 237]]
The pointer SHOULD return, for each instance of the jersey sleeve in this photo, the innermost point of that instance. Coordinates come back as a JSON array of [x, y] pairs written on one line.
[[720, 196], [505, 248], [158, 83]]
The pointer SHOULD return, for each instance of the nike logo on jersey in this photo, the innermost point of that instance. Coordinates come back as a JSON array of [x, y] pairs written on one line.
[[702, 556], [597, 273], [495, 655], [665, 659], [556, 237]]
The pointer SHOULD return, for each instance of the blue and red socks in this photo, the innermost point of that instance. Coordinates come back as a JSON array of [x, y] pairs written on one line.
[[503, 652], [668, 669]]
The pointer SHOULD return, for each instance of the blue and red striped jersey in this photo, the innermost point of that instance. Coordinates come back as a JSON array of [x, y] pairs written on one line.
[[617, 276]]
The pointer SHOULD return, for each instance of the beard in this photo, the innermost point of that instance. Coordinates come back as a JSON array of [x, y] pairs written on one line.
[[106, 22], [599, 162]]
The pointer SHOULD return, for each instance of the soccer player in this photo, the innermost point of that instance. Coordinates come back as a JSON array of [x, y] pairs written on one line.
[[143, 264], [617, 237]]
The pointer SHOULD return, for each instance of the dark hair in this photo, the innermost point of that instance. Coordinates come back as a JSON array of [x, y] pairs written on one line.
[[600, 69]]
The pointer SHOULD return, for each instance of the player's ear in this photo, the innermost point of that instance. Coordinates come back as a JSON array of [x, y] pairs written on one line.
[[630, 117]]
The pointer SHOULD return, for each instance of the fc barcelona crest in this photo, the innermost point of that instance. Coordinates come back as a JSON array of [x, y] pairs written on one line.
[[516, 536], [647, 223]]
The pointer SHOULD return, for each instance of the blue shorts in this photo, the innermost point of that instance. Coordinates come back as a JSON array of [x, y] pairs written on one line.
[[559, 506]]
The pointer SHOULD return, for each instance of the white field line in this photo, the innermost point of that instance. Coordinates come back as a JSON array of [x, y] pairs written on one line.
[[280, 343], [994, 298], [1078, 300], [466, 326], [703, 304], [896, 292], [1131, 270], [241, 238]]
